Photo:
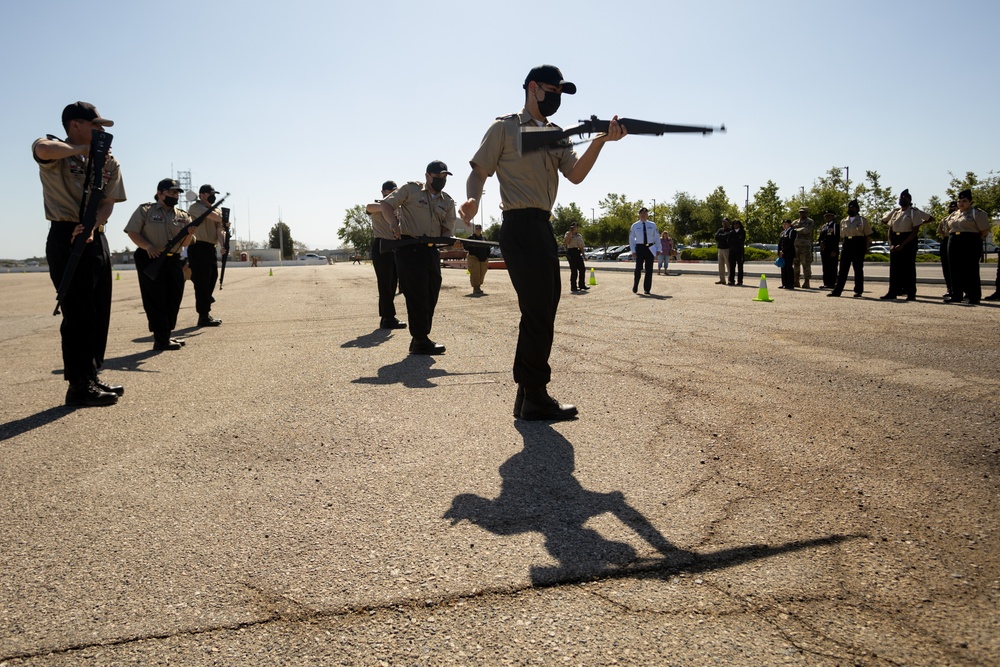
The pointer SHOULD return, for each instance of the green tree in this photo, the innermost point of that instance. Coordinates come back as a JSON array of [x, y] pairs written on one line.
[[710, 213], [764, 215], [875, 201], [281, 237], [356, 230], [564, 216], [683, 214], [492, 233]]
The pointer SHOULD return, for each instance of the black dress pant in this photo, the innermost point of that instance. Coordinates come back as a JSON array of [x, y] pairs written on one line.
[[86, 308], [946, 263], [529, 249], [161, 297], [643, 261], [829, 259], [788, 273], [964, 250], [204, 274], [736, 256], [419, 271], [852, 255], [577, 269], [902, 265], [386, 278]]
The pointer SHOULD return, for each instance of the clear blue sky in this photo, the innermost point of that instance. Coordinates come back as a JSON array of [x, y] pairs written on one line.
[[306, 107]]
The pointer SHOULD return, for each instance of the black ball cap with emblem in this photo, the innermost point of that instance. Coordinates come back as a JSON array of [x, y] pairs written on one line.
[[551, 75], [207, 188], [168, 184], [84, 111], [438, 167]]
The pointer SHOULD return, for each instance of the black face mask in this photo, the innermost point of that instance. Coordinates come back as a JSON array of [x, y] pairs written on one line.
[[211, 198], [170, 201], [550, 104], [438, 183]]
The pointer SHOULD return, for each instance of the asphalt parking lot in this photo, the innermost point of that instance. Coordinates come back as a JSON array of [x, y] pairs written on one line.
[[809, 481]]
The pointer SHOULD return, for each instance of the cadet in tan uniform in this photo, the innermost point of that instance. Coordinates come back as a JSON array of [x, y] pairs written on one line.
[[201, 254], [528, 186], [384, 262], [573, 242], [857, 233], [151, 228], [86, 309], [421, 209], [967, 228], [943, 233], [904, 225]]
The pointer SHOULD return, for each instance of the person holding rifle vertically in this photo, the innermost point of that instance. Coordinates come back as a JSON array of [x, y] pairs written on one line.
[[86, 308], [201, 254], [151, 228], [529, 181]]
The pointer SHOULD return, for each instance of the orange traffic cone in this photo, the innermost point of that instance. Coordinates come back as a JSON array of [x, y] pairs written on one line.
[[762, 292]]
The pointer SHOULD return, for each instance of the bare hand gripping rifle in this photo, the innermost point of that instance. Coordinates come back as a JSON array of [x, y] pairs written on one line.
[[153, 270], [534, 138], [388, 245], [225, 246], [93, 195]]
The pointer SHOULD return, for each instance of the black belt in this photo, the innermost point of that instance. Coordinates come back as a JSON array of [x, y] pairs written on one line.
[[527, 215], [211, 243]]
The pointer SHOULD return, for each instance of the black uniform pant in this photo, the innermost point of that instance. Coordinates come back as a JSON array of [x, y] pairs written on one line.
[[643, 262], [86, 308], [852, 255], [161, 297], [204, 274], [788, 271], [419, 271], [528, 244], [829, 259], [577, 269], [902, 265], [964, 250], [386, 279], [946, 263], [736, 266]]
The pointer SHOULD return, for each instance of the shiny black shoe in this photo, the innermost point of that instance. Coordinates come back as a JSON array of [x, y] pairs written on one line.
[[911, 297], [584, 287], [208, 321], [392, 324], [834, 293], [954, 298], [542, 407], [87, 395], [169, 345], [115, 389], [426, 346], [992, 297], [518, 401], [178, 341], [888, 297]]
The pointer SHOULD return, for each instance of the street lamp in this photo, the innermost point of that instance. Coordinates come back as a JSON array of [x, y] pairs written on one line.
[[592, 216], [746, 206], [653, 210], [847, 181]]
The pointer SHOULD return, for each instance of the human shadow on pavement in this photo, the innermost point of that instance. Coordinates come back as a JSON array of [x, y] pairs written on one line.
[[373, 339], [540, 494], [414, 371], [18, 427], [130, 362]]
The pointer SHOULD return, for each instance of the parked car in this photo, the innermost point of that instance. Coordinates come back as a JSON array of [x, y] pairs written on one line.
[[312, 255], [770, 247], [627, 256], [879, 249]]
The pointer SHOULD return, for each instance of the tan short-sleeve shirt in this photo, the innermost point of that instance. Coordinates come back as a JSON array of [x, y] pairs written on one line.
[[574, 241], [158, 225], [420, 213], [856, 226], [62, 184], [964, 222], [208, 229], [530, 180], [904, 222], [380, 226]]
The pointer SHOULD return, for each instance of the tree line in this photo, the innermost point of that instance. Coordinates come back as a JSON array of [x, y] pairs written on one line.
[[689, 219]]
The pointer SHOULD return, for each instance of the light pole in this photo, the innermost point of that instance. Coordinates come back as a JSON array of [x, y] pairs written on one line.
[[593, 218], [746, 206], [653, 210], [847, 181]]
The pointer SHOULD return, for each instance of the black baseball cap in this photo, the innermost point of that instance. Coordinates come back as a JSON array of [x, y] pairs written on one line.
[[84, 111], [207, 188], [389, 185], [551, 75], [168, 184], [438, 167]]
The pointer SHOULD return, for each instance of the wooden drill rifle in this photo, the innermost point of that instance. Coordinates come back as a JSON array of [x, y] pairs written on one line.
[[535, 138], [388, 245], [225, 246], [153, 270], [93, 195]]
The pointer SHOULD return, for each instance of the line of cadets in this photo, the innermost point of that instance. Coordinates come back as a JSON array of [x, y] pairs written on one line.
[[86, 308]]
